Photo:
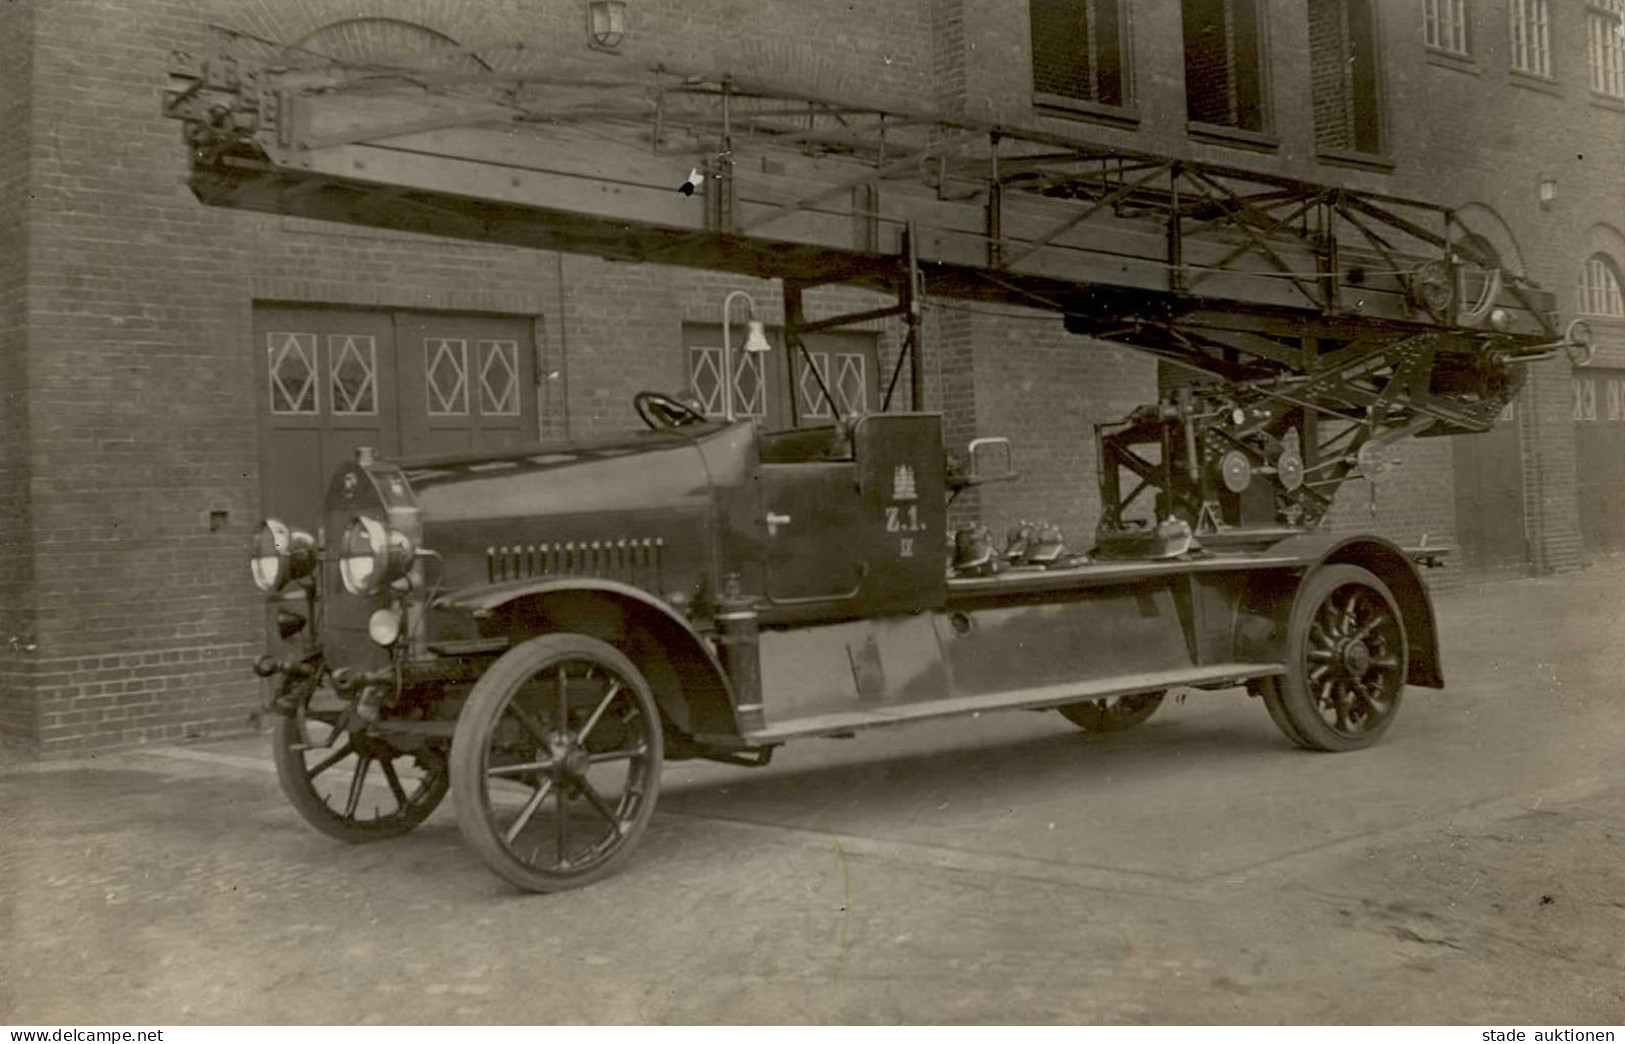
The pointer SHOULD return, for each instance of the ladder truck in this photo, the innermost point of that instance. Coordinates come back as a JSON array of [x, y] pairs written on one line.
[[534, 630]]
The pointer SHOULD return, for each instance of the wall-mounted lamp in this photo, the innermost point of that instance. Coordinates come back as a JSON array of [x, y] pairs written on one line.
[[1548, 193], [755, 341], [606, 24]]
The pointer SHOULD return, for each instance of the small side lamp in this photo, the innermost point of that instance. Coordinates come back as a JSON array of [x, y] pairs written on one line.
[[606, 24]]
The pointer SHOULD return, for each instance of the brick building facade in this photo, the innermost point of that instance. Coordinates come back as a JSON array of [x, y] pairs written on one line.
[[133, 388]]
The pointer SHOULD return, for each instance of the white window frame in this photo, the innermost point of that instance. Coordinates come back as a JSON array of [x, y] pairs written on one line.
[[1585, 398], [279, 345], [1605, 45], [1444, 26], [363, 348], [1600, 293], [1531, 26], [443, 402], [499, 358], [714, 404]]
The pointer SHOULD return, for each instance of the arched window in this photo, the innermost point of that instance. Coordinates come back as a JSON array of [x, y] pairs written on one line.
[[1599, 287]]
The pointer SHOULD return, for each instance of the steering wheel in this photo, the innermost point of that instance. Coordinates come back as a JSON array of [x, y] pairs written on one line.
[[659, 410]]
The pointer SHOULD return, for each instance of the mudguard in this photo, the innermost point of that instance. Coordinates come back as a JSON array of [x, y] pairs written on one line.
[[693, 690], [1262, 617]]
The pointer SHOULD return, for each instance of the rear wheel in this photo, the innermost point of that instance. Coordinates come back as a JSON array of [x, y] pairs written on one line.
[[556, 760], [1112, 715], [1345, 665], [347, 784]]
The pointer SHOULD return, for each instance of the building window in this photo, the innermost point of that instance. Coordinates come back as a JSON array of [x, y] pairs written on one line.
[[1080, 50], [1531, 36], [1585, 399], [353, 361], [1344, 76], [445, 375], [1599, 288], [848, 383], [749, 384], [1444, 25], [1605, 38], [1224, 63], [291, 358], [499, 378]]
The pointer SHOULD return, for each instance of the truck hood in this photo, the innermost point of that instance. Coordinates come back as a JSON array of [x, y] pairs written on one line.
[[618, 473]]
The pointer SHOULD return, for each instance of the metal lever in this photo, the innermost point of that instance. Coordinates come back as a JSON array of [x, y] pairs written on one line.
[[774, 522]]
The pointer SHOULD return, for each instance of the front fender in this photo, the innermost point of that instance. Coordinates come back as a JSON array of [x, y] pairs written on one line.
[[1268, 597], [691, 686]]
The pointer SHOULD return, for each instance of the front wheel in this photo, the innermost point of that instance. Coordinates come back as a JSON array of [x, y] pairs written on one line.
[[346, 783], [1345, 664], [556, 762]]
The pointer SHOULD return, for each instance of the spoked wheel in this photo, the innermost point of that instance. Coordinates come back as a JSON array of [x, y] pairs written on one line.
[[556, 760], [1346, 662], [352, 786], [1114, 714]]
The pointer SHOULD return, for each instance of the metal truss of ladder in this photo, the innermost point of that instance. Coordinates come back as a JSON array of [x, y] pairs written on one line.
[[1339, 299]]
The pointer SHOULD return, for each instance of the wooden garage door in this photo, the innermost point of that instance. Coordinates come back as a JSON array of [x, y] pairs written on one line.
[[1489, 497], [1599, 452], [404, 383]]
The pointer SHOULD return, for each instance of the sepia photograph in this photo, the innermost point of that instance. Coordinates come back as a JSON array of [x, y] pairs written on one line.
[[726, 513]]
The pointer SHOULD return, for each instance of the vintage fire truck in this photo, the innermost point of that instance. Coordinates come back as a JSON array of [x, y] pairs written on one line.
[[535, 630]]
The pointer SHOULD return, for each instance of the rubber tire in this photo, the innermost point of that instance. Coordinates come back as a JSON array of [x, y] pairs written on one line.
[[485, 702], [290, 773], [1287, 697], [1092, 716], [1269, 692]]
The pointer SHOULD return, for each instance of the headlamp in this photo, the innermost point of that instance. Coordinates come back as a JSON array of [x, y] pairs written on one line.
[[384, 627], [372, 556], [278, 554]]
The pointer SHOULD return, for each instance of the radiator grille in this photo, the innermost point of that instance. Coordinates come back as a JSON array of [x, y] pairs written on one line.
[[639, 562]]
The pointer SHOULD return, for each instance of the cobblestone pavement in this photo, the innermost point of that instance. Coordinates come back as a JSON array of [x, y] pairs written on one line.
[[1470, 868]]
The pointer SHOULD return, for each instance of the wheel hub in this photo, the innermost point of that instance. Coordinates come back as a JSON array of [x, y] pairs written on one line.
[[1357, 658], [569, 759]]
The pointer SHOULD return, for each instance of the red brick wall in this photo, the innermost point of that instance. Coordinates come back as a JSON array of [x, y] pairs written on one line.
[[1327, 75], [1045, 389], [17, 726]]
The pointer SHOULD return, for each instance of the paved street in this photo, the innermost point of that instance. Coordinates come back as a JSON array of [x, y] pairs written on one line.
[[1470, 868]]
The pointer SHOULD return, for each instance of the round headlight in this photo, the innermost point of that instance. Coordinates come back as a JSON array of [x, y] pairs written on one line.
[[371, 556], [384, 627], [278, 554]]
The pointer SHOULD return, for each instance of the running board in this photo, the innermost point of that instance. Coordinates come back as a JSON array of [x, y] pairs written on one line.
[[1220, 675]]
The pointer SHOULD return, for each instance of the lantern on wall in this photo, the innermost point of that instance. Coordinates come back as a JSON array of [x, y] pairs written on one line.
[[606, 24]]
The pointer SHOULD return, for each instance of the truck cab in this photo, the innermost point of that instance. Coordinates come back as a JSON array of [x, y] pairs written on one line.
[[851, 519]]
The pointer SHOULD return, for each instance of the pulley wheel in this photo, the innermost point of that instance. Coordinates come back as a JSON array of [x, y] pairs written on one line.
[[1237, 471], [1289, 469]]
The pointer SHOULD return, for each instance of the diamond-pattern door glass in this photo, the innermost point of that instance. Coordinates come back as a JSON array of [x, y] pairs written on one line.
[[499, 378], [750, 382], [445, 375], [750, 385], [851, 383], [291, 358], [353, 359], [813, 404], [705, 378]]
